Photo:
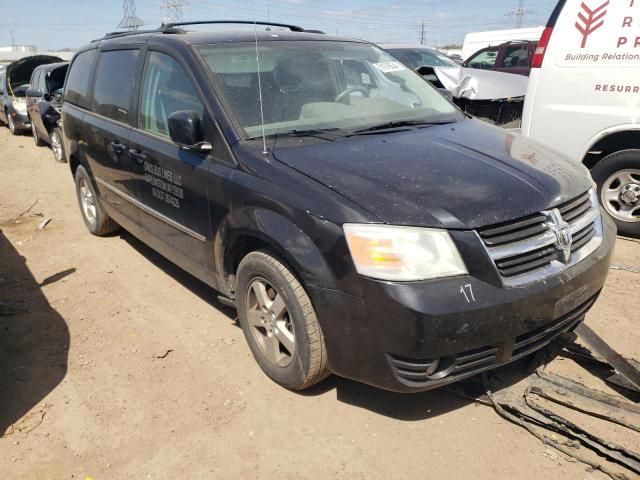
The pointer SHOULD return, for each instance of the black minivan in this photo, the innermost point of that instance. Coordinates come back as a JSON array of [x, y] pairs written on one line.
[[359, 222]]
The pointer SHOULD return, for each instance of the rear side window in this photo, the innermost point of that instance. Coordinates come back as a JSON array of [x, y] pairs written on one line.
[[77, 89], [115, 80], [515, 56]]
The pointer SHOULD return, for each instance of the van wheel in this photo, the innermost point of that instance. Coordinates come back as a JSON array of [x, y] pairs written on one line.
[[618, 179], [36, 138], [279, 322], [57, 146], [96, 220]]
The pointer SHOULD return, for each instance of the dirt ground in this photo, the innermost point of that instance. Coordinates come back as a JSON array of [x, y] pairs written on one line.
[[126, 367]]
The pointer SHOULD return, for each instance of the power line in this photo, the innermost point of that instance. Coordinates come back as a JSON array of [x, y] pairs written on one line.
[[130, 20], [172, 10]]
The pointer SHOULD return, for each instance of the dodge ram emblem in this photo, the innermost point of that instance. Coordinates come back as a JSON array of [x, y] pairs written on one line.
[[562, 231]]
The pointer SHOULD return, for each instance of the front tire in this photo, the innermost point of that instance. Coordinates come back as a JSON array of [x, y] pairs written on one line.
[[618, 180], [12, 124], [96, 220], [279, 322]]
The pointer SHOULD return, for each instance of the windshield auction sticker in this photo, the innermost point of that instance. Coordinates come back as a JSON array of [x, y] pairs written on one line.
[[600, 33], [389, 67]]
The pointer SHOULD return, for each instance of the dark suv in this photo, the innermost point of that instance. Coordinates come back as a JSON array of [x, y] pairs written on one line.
[[360, 223], [44, 103]]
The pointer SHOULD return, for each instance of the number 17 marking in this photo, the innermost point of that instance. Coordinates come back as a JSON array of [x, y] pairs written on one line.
[[467, 291]]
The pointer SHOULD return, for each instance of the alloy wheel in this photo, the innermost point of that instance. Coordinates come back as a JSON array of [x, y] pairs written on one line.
[[620, 195], [87, 201], [56, 146], [11, 123], [270, 324]]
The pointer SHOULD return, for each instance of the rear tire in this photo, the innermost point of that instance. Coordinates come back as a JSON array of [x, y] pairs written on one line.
[[36, 138], [96, 220], [57, 147], [279, 322], [618, 180]]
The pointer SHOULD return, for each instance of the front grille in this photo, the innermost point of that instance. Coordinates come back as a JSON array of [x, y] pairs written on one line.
[[526, 245], [419, 372]]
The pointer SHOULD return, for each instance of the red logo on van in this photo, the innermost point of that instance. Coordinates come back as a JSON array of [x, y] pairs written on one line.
[[590, 20]]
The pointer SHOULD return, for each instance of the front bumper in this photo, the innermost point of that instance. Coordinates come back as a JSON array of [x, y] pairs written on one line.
[[417, 336], [20, 120]]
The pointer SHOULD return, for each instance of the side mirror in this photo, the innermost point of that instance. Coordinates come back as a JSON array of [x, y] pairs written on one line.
[[185, 130], [34, 92]]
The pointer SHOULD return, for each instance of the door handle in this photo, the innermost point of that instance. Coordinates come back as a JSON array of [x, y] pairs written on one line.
[[118, 147], [136, 156]]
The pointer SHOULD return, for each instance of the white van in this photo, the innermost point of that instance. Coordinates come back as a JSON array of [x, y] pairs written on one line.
[[583, 97]]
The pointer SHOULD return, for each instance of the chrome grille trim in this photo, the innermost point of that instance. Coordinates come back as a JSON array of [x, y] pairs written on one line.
[[585, 223], [544, 240]]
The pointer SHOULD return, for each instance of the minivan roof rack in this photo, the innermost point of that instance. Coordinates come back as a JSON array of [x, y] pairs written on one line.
[[128, 33], [293, 28]]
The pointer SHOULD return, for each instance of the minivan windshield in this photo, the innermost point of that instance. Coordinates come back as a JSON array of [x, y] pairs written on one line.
[[321, 85]]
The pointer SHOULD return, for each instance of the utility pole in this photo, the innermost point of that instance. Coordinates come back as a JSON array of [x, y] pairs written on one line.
[[13, 39], [130, 21], [423, 32], [519, 14], [172, 10]]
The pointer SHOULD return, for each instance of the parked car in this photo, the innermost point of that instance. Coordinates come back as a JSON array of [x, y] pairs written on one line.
[[584, 84], [495, 97], [510, 57], [13, 103], [358, 221], [44, 104]]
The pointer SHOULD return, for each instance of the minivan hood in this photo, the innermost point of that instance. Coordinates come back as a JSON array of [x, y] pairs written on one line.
[[461, 176]]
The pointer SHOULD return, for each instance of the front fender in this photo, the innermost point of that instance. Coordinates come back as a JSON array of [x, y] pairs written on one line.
[[305, 245]]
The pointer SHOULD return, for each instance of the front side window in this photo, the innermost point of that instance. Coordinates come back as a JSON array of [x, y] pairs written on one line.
[[484, 59], [165, 89], [77, 87], [310, 85], [115, 80]]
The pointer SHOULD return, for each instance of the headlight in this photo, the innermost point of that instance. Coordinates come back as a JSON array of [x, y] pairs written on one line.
[[403, 253], [20, 105]]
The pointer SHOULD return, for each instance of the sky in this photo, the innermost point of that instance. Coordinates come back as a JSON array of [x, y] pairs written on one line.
[[58, 24]]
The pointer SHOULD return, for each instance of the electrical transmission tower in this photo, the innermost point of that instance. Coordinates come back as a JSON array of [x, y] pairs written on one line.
[[423, 33], [519, 14], [172, 10], [130, 20]]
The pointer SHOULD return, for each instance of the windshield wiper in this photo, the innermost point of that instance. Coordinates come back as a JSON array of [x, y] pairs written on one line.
[[399, 124], [311, 132]]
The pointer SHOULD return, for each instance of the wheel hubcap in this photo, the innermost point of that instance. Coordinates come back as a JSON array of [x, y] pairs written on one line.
[[88, 202], [56, 146], [270, 323], [621, 195]]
